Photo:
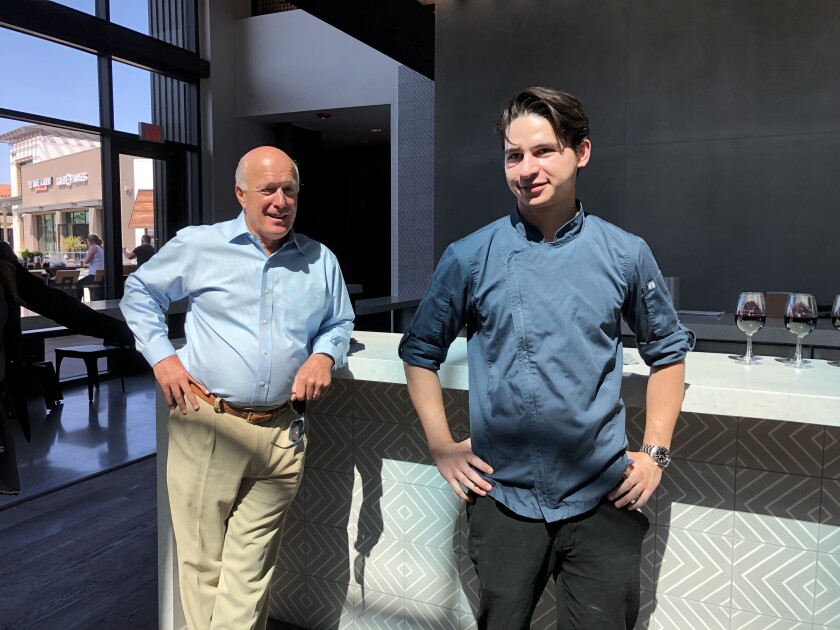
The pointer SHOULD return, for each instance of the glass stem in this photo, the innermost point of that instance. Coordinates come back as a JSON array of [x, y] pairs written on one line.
[[798, 358], [749, 356]]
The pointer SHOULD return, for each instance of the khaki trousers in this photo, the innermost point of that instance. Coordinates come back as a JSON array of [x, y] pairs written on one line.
[[230, 488]]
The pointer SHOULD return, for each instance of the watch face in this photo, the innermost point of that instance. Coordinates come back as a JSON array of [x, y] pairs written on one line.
[[661, 456]]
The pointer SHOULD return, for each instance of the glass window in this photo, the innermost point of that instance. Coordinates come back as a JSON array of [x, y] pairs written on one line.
[[45, 232], [48, 78], [132, 97], [133, 14], [85, 6], [135, 92]]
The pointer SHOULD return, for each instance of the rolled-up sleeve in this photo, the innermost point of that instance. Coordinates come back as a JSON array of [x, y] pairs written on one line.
[[661, 338], [440, 316]]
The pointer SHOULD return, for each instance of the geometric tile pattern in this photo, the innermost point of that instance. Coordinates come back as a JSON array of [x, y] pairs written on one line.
[[778, 581], [330, 443], [830, 517], [431, 575], [786, 447], [831, 461], [380, 401], [676, 612], [745, 524], [777, 509], [827, 591], [431, 517], [697, 496], [694, 565], [742, 620], [705, 438]]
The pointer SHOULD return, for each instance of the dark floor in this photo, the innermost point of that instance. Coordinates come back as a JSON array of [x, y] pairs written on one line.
[[78, 439], [83, 557]]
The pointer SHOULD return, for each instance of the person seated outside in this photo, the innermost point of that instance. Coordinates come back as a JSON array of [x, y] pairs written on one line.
[[142, 252], [95, 260]]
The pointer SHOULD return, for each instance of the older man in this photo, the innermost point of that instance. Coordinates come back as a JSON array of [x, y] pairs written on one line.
[[268, 319]]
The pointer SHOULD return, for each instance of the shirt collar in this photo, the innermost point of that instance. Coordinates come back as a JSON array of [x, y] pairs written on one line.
[[567, 232], [238, 232]]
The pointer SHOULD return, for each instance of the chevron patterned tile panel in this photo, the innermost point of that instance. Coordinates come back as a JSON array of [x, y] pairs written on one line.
[[697, 496], [647, 606], [694, 565], [288, 598], [379, 611], [418, 467], [777, 509], [468, 622], [742, 620], [327, 553], [774, 581], [328, 498], [293, 547], [468, 587], [686, 614], [431, 575], [705, 438], [331, 605], [635, 427], [780, 446], [330, 444], [379, 566], [831, 457], [462, 528], [827, 600], [465, 411], [337, 402], [545, 614], [378, 507], [648, 574], [422, 616], [830, 517], [432, 517], [380, 401], [378, 449]]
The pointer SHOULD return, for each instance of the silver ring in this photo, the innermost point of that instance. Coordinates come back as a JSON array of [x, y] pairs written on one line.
[[633, 501]]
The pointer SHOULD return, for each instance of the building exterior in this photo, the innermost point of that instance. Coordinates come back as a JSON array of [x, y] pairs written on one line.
[[56, 190]]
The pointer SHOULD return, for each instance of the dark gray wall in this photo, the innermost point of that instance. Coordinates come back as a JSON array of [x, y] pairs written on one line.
[[715, 128]]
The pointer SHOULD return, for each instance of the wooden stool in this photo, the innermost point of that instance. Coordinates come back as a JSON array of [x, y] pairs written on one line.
[[90, 355]]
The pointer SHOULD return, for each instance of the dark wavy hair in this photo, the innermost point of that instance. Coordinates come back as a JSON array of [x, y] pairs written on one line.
[[561, 109]]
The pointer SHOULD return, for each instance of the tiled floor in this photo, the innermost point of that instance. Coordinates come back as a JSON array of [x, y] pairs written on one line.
[[79, 439]]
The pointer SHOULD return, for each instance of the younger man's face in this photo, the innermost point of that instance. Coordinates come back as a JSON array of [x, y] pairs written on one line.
[[541, 172]]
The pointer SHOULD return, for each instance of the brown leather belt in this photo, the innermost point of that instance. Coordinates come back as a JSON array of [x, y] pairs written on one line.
[[220, 405]]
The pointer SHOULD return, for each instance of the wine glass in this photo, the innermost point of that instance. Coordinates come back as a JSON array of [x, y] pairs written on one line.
[[800, 319], [750, 316]]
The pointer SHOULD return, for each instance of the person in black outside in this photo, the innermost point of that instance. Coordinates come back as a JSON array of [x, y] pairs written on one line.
[[19, 288], [142, 252]]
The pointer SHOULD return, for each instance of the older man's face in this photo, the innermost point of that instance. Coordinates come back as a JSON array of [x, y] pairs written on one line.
[[270, 196]]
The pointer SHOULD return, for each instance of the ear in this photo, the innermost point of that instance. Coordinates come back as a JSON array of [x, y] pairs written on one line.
[[583, 153], [240, 195]]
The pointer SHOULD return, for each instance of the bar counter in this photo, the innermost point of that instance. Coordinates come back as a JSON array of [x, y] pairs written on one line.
[[745, 528]]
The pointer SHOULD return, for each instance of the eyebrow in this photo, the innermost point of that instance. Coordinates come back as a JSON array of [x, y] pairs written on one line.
[[544, 145]]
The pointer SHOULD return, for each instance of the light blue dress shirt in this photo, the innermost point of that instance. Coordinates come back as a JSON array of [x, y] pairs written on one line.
[[545, 353], [252, 319]]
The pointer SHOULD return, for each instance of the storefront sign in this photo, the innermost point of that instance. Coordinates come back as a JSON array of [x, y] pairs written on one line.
[[70, 179], [40, 185]]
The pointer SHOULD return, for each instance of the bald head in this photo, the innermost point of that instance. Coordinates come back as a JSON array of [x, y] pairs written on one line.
[[262, 157]]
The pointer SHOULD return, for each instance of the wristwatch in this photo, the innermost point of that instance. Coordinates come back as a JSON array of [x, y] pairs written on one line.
[[660, 455]]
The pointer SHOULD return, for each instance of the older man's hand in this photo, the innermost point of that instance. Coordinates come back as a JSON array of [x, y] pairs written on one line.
[[313, 378], [175, 382]]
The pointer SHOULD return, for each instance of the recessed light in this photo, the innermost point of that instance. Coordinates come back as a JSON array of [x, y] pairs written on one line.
[[375, 130]]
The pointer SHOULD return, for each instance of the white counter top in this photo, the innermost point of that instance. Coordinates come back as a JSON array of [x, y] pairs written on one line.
[[714, 383]]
